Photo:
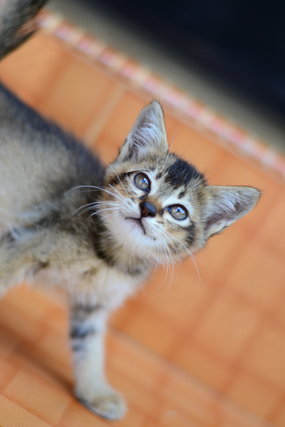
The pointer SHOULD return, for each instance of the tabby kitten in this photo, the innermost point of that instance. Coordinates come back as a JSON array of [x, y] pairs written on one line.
[[98, 233]]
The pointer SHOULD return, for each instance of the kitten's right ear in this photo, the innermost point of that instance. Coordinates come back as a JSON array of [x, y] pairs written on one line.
[[226, 204], [147, 136]]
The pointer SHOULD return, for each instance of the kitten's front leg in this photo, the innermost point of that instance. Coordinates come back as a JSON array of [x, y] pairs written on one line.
[[87, 328]]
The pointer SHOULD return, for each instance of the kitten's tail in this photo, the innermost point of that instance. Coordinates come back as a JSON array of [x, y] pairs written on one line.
[[14, 14]]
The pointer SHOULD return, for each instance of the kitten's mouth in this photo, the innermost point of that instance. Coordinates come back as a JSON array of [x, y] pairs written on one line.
[[138, 222]]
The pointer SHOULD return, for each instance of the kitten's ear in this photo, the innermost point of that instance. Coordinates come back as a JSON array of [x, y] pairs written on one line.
[[147, 136], [227, 204]]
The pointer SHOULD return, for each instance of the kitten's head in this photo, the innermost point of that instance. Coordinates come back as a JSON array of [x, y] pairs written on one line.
[[159, 206]]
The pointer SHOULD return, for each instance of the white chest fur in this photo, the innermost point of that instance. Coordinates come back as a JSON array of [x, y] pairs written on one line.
[[93, 282]]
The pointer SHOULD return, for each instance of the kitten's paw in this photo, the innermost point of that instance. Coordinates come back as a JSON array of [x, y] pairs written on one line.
[[110, 405]]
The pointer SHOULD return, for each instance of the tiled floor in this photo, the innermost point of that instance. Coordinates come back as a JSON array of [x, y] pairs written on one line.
[[203, 343]]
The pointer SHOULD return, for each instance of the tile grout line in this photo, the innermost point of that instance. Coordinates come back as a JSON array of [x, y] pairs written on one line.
[[28, 411], [277, 408], [17, 370], [203, 388], [93, 131], [57, 73]]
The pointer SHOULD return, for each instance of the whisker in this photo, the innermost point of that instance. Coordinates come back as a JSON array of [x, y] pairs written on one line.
[[103, 210], [119, 195], [82, 207], [190, 253], [92, 187], [92, 205], [79, 187], [120, 181]]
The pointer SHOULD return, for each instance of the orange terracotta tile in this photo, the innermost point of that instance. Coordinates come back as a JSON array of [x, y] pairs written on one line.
[[7, 371], [226, 326], [78, 96], [39, 397], [258, 275], [279, 417], [180, 301], [195, 147], [150, 423], [253, 395], [239, 170], [149, 329], [140, 398], [57, 347], [133, 360], [201, 406], [56, 306], [118, 125], [123, 116], [171, 124], [171, 417], [58, 320], [279, 315], [148, 372], [273, 235], [235, 417], [195, 414], [187, 394], [30, 302], [12, 414], [35, 360], [266, 356], [39, 60], [19, 324], [221, 251], [234, 170], [8, 341], [201, 365], [132, 418], [76, 416]]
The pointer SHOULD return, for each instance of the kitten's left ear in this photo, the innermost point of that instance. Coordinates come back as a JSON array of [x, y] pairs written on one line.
[[226, 204], [147, 136]]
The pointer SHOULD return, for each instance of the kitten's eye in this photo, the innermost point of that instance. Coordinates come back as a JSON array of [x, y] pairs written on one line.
[[142, 181], [178, 212]]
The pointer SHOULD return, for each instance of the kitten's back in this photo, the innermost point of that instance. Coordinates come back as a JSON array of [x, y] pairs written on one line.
[[38, 161]]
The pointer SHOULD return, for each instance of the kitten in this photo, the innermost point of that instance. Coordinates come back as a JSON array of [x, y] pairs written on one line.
[[96, 232]]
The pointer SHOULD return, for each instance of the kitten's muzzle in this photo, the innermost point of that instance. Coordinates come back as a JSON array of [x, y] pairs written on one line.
[[147, 209], [138, 221]]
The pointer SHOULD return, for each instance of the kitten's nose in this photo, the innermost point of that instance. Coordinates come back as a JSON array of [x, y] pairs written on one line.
[[147, 209]]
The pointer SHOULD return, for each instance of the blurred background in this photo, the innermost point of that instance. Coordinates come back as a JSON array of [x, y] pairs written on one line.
[[202, 344], [228, 54]]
